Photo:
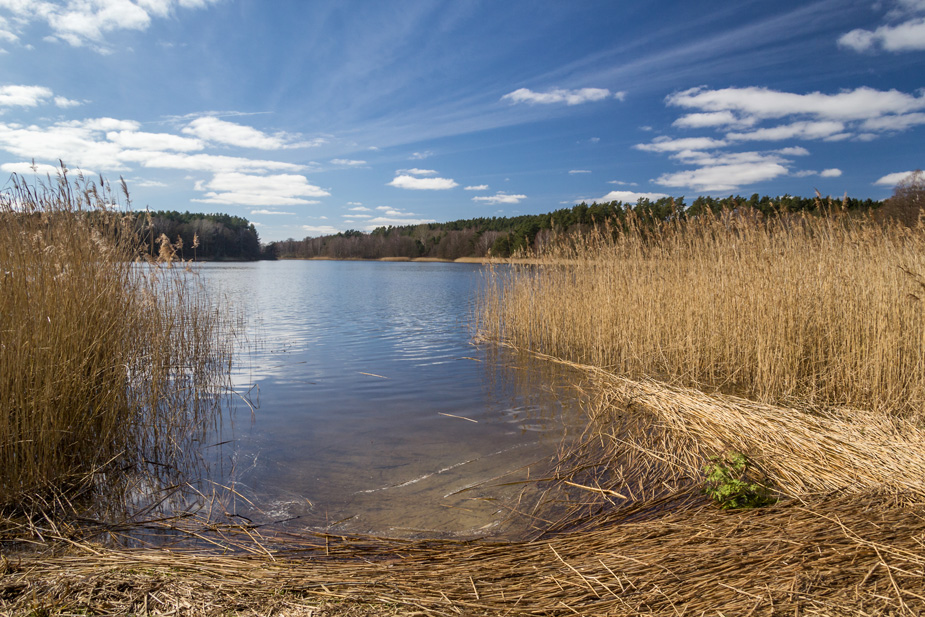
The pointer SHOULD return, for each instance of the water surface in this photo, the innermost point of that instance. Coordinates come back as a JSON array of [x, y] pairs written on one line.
[[372, 410]]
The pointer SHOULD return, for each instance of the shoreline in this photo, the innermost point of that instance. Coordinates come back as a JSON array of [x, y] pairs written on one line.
[[459, 260]]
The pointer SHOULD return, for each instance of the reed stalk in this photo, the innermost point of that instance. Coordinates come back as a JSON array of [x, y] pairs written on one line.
[[107, 364], [824, 311]]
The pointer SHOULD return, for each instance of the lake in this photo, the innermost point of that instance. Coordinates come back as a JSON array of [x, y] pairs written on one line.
[[372, 411]]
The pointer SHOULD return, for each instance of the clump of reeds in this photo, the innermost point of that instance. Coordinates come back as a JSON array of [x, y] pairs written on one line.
[[824, 310], [106, 364]]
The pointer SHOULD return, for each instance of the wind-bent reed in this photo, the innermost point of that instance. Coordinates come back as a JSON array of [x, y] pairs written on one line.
[[822, 310], [106, 364]]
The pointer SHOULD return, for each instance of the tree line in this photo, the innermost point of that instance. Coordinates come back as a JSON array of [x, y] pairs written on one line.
[[199, 236], [504, 236]]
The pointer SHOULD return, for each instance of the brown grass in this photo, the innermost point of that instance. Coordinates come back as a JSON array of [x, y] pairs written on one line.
[[857, 555], [821, 310], [105, 364]]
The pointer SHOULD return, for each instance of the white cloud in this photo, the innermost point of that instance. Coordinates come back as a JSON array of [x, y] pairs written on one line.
[[358, 216], [793, 151], [500, 198], [249, 190], [87, 22], [66, 103], [23, 96], [24, 169], [711, 119], [630, 196], [221, 131], [106, 124], [348, 162], [417, 172], [269, 212], [728, 177], [825, 173], [763, 103], [76, 143], [321, 230], [569, 97], [692, 157], [109, 144], [153, 141], [725, 171], [796, 130], [411, 182], [621, 183], [906, 36], [204, 162], [893, 122], [894, 178], [145, 183], [476, 187], [420, 156], [358, 208], [385, 221], [666, 144], [579, 171]]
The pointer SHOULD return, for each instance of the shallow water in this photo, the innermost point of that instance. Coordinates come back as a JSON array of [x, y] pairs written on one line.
[[372, 411]]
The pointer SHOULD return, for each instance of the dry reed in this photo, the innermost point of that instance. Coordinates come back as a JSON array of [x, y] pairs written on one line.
[[106, 365], [821, 310], [857, 555]]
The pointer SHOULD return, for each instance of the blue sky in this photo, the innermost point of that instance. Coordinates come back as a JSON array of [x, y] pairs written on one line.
[[311, 117]]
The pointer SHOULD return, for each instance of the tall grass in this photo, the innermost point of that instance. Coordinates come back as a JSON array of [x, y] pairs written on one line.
[[816, 310], [106, 364]]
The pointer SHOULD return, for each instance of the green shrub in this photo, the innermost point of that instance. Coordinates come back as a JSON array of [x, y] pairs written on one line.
[[728, 483]]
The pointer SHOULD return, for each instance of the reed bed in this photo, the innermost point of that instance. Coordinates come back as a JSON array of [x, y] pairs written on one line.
[[839, 555], [820, 310], [108, 366], [622, 527]]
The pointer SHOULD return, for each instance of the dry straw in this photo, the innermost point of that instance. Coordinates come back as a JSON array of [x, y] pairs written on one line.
[[821, 310], [106, 365]]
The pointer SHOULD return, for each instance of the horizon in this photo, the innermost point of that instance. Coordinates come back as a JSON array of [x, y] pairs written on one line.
[[310, 119]]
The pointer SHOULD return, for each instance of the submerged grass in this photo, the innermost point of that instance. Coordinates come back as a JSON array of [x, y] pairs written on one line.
[[108, 365]]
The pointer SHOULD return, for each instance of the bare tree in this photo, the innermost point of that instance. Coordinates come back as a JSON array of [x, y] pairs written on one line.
[[908, 200]]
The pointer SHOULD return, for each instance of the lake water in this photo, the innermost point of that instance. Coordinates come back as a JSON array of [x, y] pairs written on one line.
[[372, 411]]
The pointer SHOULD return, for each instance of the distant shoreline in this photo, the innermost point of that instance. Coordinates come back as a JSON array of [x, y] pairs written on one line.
[[461, 260]]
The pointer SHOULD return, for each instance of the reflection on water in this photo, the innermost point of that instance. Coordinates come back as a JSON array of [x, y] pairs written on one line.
[[372, 411]]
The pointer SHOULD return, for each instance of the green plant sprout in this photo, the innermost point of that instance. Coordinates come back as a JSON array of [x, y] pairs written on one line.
[[728, 485]]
